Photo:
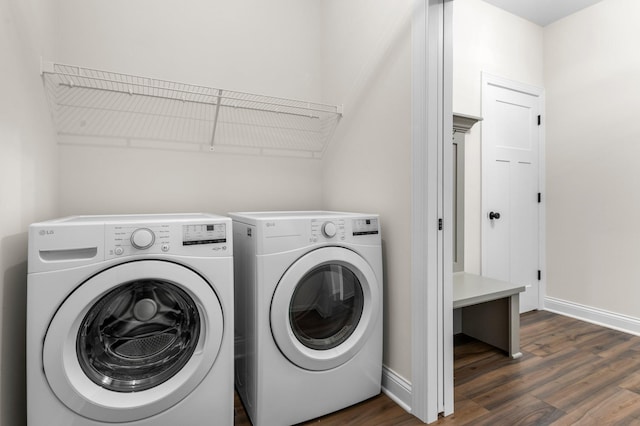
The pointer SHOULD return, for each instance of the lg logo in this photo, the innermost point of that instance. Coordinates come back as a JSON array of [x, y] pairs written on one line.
[[44, 232]]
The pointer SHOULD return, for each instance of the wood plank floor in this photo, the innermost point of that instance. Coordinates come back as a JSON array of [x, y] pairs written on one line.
[[571, 373]]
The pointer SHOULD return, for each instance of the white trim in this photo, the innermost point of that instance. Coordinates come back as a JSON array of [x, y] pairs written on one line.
[[423, 336], [505, 83], [426, 139], [596, 316], [542, 206], [447, 175], [397, 388]]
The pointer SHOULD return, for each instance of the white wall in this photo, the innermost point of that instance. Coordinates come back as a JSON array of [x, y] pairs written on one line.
[[367, 55], [118, 180], [28, 181], [592, 75], [487, 39], [270, 48]]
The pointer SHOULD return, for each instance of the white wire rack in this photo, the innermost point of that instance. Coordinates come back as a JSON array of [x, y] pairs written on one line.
[[100, 107]]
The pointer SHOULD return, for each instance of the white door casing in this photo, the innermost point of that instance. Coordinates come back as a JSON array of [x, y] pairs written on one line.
[[511, 139], [431, 258]]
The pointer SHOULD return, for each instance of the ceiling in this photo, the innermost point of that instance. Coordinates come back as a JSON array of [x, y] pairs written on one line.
[[542, 12]]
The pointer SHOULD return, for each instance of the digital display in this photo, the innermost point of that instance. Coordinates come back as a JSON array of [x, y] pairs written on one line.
[[204, 234], [365, 227]]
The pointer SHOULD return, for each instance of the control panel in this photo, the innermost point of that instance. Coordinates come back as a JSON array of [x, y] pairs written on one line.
[[194, 239], [276, 233], [327, 230], [335, 229]]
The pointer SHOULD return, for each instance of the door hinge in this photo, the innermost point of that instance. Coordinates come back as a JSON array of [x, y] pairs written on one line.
[[539, 197], [539, 275], [539, 120], [439, 224]]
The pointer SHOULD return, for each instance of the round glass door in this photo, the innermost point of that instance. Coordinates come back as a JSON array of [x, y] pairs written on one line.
[[133, 340], [325, 307], [138, 335]]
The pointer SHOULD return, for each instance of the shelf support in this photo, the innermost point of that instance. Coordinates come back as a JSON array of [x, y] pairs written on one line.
[[215, 120]]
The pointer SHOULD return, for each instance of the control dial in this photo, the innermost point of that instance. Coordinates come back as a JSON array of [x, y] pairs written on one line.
[[329, 229], [142, 238]]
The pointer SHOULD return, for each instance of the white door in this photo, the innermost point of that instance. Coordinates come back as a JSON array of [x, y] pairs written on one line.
[[510, 176]]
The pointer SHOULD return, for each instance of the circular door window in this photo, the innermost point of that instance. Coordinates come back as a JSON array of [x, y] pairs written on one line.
[[138, 335], [133, 340], [324, 308]]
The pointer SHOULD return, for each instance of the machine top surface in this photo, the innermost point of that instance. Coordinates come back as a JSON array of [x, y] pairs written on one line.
[[314, 214], [132, 218]]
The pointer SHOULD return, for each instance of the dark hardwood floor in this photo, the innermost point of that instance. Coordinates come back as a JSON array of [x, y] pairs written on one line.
[[571, 373]]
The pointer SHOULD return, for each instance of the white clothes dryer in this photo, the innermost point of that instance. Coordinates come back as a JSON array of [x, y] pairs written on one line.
[[130, 321], [308, 313]]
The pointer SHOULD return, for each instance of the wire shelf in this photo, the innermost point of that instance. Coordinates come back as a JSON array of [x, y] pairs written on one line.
[[101, 107]]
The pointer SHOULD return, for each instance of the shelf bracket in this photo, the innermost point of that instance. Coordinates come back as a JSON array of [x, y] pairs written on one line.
[[46, 67], [215, 120]]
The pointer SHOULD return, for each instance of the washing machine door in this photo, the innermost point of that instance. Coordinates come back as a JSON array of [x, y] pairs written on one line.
[[325, 307], [133, 340]]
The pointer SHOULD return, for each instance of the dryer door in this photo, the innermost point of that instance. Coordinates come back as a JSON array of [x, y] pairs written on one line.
[[133, 340], [325, 307]]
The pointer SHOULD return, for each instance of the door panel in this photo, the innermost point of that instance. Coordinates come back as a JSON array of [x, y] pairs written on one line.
[[457, 201], [510, 175], [513, 136], [497, 247], [524, 234]]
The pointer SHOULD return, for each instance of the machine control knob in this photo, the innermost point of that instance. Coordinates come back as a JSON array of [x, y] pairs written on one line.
[[142, 238], [329, 229]]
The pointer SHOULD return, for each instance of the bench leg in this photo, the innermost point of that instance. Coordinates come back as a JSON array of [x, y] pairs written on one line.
[[514, 326]]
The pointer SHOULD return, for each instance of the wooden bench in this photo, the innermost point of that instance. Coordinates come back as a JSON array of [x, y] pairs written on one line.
[[489, 310]]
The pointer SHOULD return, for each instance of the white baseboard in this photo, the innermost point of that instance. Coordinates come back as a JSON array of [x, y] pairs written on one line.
[[397, 388], [597, 316]]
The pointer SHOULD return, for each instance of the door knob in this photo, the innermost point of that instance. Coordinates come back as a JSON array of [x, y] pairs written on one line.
[[494, 215]]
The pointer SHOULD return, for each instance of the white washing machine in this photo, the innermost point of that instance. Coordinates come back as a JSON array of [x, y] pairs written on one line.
[[130, 321], [308, 313]]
